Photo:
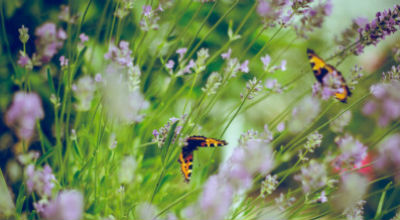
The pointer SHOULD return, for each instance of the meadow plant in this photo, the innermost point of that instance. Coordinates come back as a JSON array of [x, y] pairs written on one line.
[[105, 103]]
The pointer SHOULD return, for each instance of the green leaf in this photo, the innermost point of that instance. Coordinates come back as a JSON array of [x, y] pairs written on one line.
[[50, 82], [76, 149], [45, 156], [20, 199], [378, 214], [6, 204]]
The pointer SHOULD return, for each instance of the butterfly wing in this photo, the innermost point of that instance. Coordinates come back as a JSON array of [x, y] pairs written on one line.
[[318, 65], [344, 91], [186, 161], [320, 69], [200, 141], [192, 143]]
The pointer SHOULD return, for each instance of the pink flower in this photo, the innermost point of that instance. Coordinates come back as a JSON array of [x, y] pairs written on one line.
[[40, 181], [227, 54], [244, 67], [23, 113], [49, 41], [23, 60], [353, 152], [147, 10], [83, 37], [266, 60], [181, 52], [121, 55], [67, 206], [63, 61], [385, 103], [263, 8], [170, 64]]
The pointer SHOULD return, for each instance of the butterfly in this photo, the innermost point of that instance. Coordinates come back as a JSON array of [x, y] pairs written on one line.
[[192, 143], [320, 69]]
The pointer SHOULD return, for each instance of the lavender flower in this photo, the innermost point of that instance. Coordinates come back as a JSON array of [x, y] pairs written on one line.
[[322, 198], [385, 104], [120, 55], [312, 17], [161, 135], [266, 60], [284, 201], [83, 38], [215, 201], [254, 155], [313, 177], [304, 113], [23, 113], [23, 34], [314, 140], [213, 83], [384, 24], [269, 185], [349, 35], [352, 153], [233, 66], [120, 101], [244, 67], [150, 18], [84, 92], [98, 78], [181, 52], [125, 7], [197, 66], [40, 181], [24, 60], [49, 41], [227, 54], [388, 158], [67, 206], [392, 75], [252, 88], [339, 123], [272, 85], [170, 65], [356, 74], [281, 127], [352, 189], [355, 212], [251, 157], [127, 170], [63, 61], [65, 15], [272, 11]]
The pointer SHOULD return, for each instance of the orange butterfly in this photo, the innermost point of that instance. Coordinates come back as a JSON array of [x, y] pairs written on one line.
[[320, 69], [192, 143]]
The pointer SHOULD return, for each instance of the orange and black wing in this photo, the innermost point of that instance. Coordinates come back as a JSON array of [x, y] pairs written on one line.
[[186, 161], [192, 143], [345, 91], [320, 69], [199, 141], [318, 65]]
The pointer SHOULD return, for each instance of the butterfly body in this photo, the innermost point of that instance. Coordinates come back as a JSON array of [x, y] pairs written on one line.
[[320, 69], [192, 143]]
